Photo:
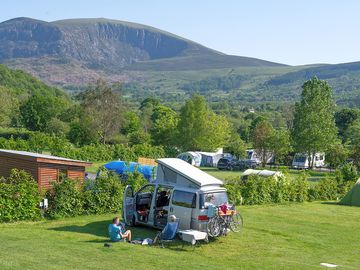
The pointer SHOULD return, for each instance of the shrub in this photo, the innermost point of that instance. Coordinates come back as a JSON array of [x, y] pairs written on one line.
[[19, 197], [233, 190], [136, 180], [65, 199], [300, 189], [259, 190], [326, 189], [104, 194]]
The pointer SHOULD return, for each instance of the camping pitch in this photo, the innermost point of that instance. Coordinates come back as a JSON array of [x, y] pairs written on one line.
[[353, 196]]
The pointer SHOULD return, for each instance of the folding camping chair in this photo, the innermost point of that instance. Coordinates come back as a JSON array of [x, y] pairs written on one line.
[[163, 237]]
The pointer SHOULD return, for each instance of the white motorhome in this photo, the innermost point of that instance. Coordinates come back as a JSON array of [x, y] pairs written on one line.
[[301, 161], [181, 190]]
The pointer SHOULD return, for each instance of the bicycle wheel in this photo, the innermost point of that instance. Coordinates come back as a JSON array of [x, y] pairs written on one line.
[[236, 222], [222, 226], [214, 229]]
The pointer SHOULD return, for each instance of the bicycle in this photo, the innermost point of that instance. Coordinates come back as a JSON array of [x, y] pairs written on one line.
[[224, 220]]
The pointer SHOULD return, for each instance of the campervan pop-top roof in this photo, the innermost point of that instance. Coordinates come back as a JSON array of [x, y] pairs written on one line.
[[191, 173]]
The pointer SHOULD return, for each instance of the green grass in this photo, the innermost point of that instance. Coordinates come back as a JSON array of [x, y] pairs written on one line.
[[293, 236], [314, 176], [95, 166]]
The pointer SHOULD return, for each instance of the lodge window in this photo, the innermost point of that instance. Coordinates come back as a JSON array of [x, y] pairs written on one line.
[[62, 174]]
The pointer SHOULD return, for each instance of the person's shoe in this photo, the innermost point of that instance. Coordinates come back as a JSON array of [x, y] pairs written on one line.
[[107, 245]]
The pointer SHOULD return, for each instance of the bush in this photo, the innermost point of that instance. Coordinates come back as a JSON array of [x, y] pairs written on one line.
[[326, 189], [259, 190], [65, 199], [19, 197], [234, 191], [136, 180], [104, 194]]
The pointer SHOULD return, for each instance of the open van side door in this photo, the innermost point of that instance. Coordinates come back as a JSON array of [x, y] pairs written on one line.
[[128, 206]]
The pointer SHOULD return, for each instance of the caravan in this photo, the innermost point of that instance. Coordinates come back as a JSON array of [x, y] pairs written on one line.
[[192, 158], [301, 161], [181, 190], [253, 155]]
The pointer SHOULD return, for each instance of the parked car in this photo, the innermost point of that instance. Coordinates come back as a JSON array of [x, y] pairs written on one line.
[[245, 164], [225, 164]]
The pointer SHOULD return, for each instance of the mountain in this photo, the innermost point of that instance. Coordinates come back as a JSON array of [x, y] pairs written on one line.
[[101, 43], [73, 53]]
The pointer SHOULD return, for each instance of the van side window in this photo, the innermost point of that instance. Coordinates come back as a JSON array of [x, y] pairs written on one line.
[[169, 175], [184, 199]]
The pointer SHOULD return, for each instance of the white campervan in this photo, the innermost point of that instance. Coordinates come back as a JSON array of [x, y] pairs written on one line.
[[301, 161], [180, 189]]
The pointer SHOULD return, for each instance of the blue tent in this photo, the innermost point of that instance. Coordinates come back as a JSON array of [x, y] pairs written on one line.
[[122, 168]]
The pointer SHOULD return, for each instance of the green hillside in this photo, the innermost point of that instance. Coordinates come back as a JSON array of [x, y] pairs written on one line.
[[21, 83]]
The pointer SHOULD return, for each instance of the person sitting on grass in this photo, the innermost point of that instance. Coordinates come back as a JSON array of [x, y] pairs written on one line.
[[117, 233]]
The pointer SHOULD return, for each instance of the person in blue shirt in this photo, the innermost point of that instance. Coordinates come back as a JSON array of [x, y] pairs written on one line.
[[116, 232]]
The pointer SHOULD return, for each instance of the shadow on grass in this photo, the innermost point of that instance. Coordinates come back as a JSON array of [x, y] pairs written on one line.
[[99, 228], [332, 203]]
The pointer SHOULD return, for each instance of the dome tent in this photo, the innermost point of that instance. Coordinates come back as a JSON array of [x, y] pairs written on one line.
[[122, 168], [353, 196]]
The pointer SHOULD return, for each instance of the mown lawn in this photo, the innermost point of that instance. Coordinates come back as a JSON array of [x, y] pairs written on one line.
[[292, 236], [313, 176]]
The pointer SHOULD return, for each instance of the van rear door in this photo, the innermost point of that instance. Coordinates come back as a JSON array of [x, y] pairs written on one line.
[[128, 206], [182, 205]]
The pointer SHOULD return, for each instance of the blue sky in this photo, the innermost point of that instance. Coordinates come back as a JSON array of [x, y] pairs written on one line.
[[290, 32]]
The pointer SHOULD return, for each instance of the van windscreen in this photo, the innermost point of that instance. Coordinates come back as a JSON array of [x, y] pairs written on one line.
[[216, 198]]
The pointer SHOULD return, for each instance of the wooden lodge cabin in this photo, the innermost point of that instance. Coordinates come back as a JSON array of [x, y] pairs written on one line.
[[44, 168]]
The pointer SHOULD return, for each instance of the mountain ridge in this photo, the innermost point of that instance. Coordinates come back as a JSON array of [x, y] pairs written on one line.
[[97, 42]]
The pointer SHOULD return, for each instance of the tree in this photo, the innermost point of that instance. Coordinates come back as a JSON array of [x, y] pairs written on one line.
[[262, 139], [131, 123], [9, 107], [104, 108], [236, 145], [344, 118], [336, 155], [139, 137], [199, 128], [280, 144], [165, 121], [146, 110], [352, 136], [314, 127], [38, 110], [81, 133]]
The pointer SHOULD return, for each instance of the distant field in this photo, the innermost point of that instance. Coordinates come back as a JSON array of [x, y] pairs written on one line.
[[314, 176], [290, 236]]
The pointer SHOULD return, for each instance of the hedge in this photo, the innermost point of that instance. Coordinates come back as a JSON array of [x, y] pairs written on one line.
[[19, 197], [259, 190], [99, 196], [58, 146]]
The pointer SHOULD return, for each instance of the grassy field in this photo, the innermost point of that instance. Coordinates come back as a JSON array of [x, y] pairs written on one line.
[[293, 236], [314, 176]]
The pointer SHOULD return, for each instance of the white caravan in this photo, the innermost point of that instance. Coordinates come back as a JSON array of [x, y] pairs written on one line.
[[180, 189], [192, 158], [301, 161], [252, 154]]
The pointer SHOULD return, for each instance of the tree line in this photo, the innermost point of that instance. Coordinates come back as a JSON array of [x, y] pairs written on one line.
[[101, 115]]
